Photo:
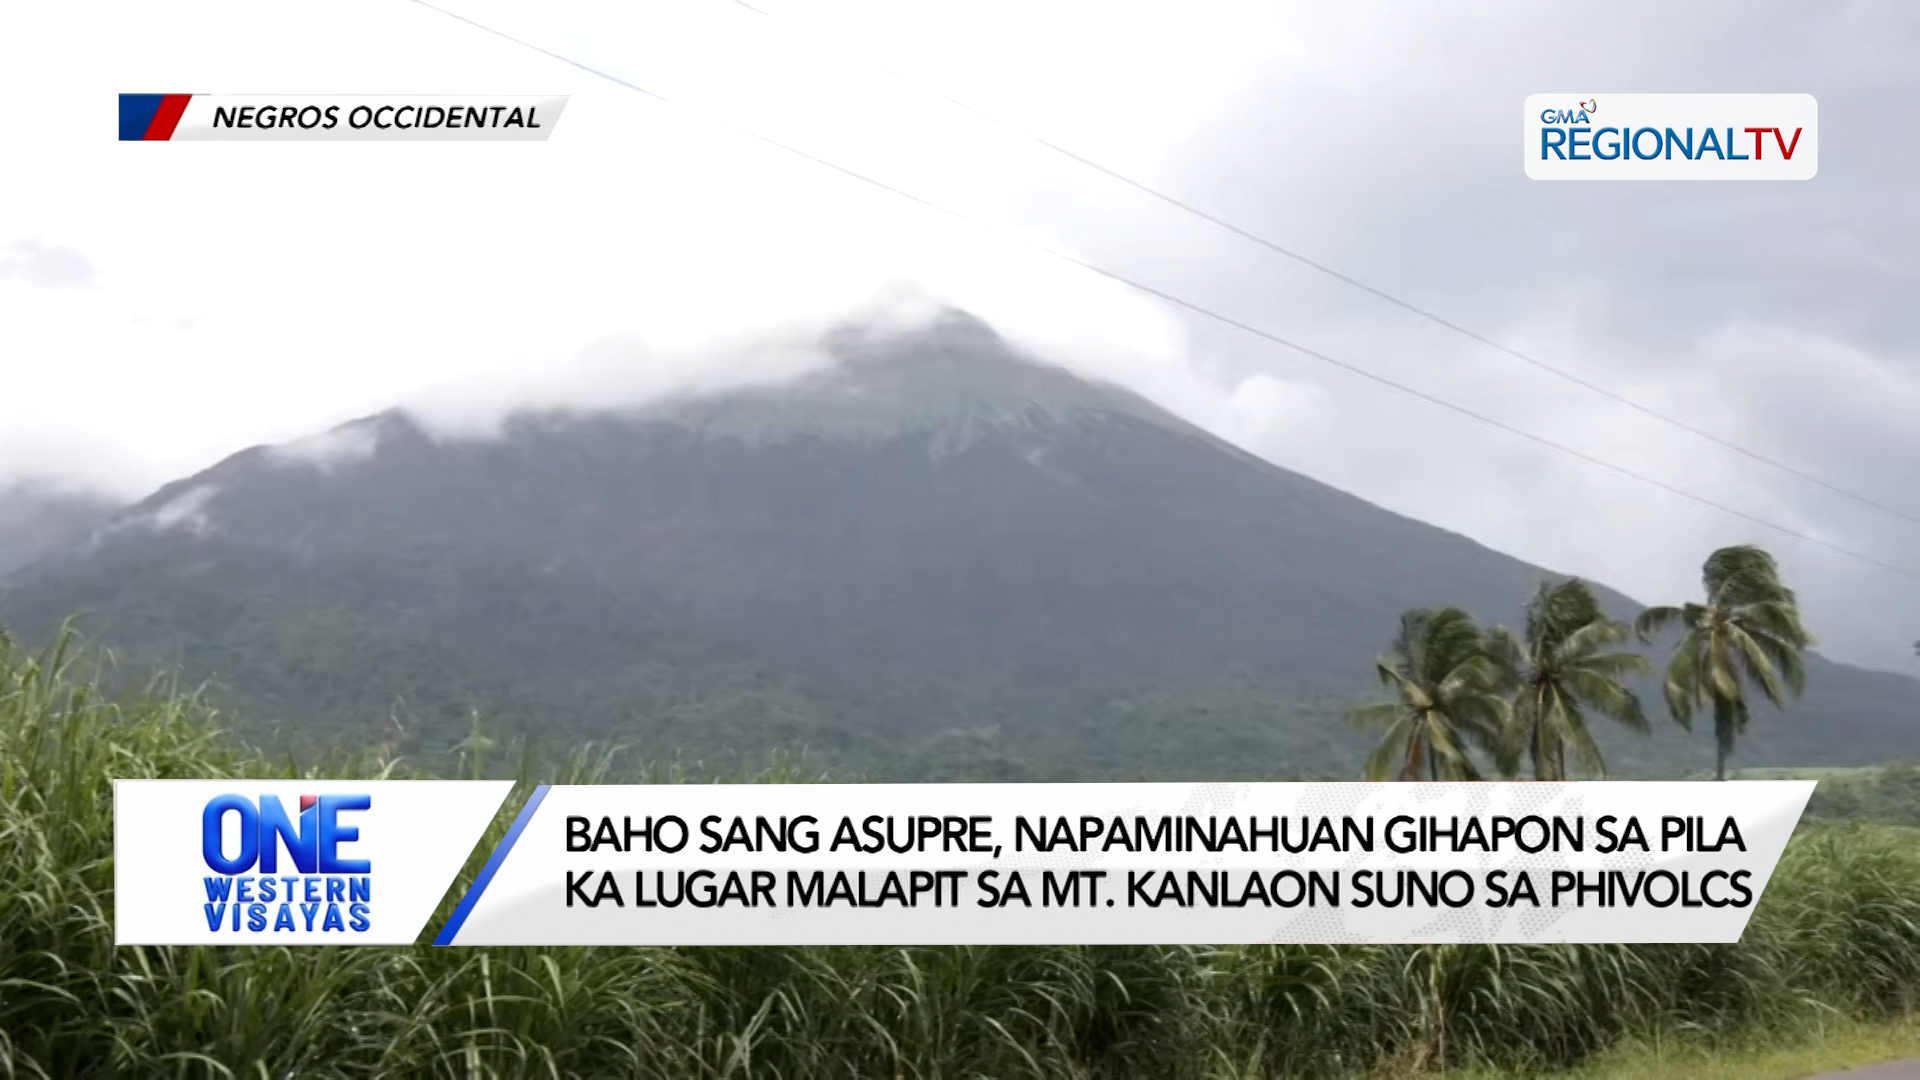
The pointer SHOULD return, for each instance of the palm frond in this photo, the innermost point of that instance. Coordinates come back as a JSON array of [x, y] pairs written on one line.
[[1506, 652], [1682, 685], [1739, 574], [1391, 755], [1574, 733], [1655, 619], [1608, 697], [1610, 665], [1757, 664], [1373, 717], [1454, 761], [1591, 637]]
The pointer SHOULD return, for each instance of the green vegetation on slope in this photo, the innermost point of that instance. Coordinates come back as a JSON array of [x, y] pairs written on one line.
[[1837, 931], [38, 518], [937, 560]]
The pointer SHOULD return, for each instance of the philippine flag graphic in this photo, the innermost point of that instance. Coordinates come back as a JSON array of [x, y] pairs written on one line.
[[150, 117]]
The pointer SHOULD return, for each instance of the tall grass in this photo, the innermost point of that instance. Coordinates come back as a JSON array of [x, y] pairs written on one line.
[[1837, 933]]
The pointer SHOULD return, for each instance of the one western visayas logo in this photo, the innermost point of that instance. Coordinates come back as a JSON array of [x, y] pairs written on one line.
[[317, 887]]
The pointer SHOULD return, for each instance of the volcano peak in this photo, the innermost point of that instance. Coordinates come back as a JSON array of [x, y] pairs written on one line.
[[948, 336], [941, 372]]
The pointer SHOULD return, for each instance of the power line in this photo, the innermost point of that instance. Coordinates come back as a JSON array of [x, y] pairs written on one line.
[[1372, 290], [1177, 301]]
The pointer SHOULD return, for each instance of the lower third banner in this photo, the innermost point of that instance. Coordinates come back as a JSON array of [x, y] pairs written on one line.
[[1130, 864]]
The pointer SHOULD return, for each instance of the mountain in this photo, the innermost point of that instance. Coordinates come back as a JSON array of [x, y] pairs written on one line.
[[934, 558], [39, 519]]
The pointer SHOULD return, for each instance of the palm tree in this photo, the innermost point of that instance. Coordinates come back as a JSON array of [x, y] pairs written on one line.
[[1564, 667], [1748, 631], [1450, 696]]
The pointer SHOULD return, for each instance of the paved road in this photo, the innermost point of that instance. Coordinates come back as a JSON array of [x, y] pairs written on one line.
[[1892, 1070]]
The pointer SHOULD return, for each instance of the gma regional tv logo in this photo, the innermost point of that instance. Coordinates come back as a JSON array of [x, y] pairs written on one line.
[[319, 885], [1671, 137]]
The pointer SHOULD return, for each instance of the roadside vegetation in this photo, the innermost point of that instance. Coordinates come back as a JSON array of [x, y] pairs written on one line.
[[1831, 1046]]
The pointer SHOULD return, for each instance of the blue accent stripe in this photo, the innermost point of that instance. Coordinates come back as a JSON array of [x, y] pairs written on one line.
[[136, 112], [499, 856]]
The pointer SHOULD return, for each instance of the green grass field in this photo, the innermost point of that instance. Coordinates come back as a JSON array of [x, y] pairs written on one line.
[[1835, 941]]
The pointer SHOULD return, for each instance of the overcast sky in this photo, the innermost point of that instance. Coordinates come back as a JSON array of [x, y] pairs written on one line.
[[163, 306]]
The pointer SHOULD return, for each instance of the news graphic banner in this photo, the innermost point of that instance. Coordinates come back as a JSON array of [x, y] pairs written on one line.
[[360, 862], [935, 864], [290, 862], [1671, 137], [332, 117]]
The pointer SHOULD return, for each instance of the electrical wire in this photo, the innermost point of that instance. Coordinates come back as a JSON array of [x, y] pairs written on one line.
[[1180, 302], [1372, 290]]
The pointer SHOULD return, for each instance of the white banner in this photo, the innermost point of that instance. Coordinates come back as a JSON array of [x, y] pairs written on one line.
[[1671, 137], [1131, 864], [290, 862], [335, 117]]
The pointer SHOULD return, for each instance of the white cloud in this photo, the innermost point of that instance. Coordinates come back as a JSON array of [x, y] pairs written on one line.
[[327, 450], [187, 511], [215, 296], [43, 265]]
